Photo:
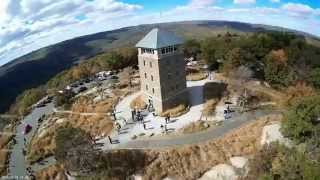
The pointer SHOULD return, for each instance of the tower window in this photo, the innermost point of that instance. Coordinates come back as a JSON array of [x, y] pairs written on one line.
[[153, 90], [151, 78], [150, 63], [144, 63], [147, 87], [148, 51], [145, 75]]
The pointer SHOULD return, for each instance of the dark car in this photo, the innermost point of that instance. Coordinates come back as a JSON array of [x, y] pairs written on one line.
[[87, 80], [27, 129], [114, 77], [81, 89], [74, 85]]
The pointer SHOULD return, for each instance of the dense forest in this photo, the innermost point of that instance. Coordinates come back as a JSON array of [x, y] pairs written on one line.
[[279, 58], [113, 60], [38, 67], [282, 60]]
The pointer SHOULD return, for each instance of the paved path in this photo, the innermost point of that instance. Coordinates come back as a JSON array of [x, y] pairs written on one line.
[[153, 124], [78, 113], [227, 126], [17, 162]]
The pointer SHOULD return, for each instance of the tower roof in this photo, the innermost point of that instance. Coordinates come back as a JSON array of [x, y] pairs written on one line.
[[158, 38]]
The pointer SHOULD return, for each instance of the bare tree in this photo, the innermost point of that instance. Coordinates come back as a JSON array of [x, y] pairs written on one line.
[[242, 75]]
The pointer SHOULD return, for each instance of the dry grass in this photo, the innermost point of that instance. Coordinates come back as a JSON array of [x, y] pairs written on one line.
[[301, 89], [98, 125], [212, 94], [3, 158], [197, 76], [190, 162], [5, 138], [256, 97], [138, 103], [41, 147], [195, 127], [176, 111], [209, 107], [54, 172], [185, 162]]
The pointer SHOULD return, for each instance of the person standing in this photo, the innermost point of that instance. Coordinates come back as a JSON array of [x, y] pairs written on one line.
[[161, 128], [132, 115], [110, 140]]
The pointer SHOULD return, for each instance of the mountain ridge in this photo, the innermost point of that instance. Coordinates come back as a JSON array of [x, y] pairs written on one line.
[[37, 67]]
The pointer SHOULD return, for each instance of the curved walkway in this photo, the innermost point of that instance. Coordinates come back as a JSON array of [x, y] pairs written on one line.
[[153, 124], [78, 113], [194, 138]]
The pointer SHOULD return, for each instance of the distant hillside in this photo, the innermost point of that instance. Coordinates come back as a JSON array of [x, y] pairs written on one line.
[[39, 66]]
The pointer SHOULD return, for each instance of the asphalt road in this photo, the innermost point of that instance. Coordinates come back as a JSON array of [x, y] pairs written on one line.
[[228, 125]]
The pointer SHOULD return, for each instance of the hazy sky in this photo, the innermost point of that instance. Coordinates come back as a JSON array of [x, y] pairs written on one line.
[[27, 25]]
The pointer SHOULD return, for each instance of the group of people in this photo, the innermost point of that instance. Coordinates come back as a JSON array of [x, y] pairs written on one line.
[[136, 116]]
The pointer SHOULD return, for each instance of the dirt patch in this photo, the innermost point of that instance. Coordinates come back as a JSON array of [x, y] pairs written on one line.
[[176, 111]]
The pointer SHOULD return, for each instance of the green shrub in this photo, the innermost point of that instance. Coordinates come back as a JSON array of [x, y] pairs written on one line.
[[301, 122], [282, 163], [315, 77], [27, 99]]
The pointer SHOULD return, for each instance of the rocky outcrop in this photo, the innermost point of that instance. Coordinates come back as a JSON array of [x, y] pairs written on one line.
[[238, 167], [220, 172], [271, 133]]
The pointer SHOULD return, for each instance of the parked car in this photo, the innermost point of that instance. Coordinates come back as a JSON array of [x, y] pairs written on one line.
[[74, 85], [27, 129], [87, 80], [40, 104], [81, 89], [114, 77]]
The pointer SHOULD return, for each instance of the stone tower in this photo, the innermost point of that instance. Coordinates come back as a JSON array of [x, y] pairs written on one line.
[[162, 70]]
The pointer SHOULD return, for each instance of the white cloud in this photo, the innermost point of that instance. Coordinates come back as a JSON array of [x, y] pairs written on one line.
[[23, 22], [27, 25], [275, 1], [298, 8], [201, 3], [244, 1]]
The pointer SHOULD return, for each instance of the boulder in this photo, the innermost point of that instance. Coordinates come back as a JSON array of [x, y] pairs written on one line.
[[271, 133], [220, 172], [239, 162]]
